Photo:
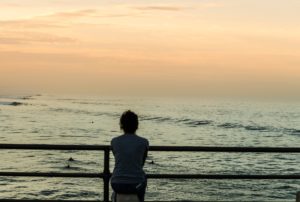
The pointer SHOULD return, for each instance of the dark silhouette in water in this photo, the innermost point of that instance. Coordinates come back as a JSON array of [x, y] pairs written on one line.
[[71, 159], [130, 152], [16, 103]]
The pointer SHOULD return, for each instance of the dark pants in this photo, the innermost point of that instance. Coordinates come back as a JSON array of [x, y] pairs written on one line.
[[137, 188]]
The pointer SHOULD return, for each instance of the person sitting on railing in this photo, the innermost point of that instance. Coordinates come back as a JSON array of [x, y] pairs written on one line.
[[130, 152]]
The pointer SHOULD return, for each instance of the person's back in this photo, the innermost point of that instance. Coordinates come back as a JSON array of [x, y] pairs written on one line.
[[130, 152]]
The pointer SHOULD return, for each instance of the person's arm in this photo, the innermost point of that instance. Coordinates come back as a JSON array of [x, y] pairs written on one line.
[[146, 153], [111, 146], [145, 156]]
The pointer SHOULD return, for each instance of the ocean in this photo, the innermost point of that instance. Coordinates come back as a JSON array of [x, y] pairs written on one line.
[[52, 119]]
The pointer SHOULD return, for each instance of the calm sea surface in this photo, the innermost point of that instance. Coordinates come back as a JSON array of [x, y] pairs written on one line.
[[185, 122]]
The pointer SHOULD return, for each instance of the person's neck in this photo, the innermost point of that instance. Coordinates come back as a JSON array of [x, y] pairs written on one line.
[[129, 134]]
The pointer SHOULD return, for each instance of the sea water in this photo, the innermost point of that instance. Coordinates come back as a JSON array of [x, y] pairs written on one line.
[[48, 119]]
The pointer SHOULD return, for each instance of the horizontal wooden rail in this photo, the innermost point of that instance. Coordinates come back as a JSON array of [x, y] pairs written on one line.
[[32, 200], [28, 200], [154, 148], [52, 174], [151, 176], [24, 200], [54, 147]]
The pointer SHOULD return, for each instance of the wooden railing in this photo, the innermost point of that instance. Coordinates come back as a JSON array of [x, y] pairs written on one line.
[[106, 174]]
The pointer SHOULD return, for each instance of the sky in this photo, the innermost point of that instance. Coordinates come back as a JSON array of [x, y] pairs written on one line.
[[219, 48]]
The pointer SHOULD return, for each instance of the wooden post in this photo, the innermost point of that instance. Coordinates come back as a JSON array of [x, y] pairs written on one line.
[[106, 173], [298, 197]]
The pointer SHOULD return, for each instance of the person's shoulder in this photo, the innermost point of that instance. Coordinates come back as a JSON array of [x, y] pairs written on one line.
[[115, 139], [144, 140]]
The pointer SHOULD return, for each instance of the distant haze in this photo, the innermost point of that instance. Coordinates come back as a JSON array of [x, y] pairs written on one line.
[[225, 48]]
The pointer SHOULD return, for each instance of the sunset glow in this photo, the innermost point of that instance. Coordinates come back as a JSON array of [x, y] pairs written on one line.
[[193, 47]]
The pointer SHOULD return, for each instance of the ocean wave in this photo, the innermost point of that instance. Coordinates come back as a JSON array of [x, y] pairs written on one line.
[[258, 128], [147, 118], [230, 125], [19, 97], [97, 103], [290, 131], [246, 127], [193, 122], [12, 103], [199, 123], [11, 180], [30, 97], [77, 194], [85, 112], [186, 121], [156, 118], [48, 192], [294, 131], [69, 110]]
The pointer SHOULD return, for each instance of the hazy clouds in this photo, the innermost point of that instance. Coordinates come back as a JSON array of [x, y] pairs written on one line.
[[216, 48]]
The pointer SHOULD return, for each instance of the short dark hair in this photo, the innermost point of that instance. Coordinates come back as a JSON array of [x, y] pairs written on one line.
[[129, 122]]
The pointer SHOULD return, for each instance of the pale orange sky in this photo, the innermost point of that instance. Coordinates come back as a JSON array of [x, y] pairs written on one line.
[[246, 48]]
